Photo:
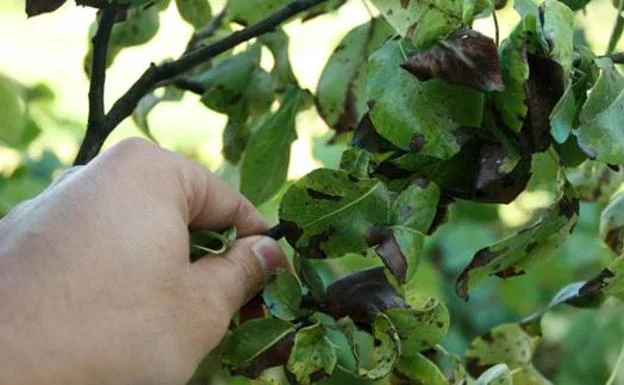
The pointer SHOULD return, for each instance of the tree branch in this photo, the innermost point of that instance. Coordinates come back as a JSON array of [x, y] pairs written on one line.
[[123, 108], [98, 67]]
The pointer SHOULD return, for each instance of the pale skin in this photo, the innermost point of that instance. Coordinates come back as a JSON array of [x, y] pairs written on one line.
[[96, 286]]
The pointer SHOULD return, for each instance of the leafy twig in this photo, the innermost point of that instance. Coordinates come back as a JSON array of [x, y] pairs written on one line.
[[97, 134]]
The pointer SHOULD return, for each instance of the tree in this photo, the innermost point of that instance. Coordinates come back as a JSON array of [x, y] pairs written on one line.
[[442, 124]]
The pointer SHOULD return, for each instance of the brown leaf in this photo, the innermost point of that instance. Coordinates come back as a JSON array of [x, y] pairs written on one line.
[[37, 7], [362, 294], [468, 58], [388, 250], [544, 89], [276, 355]]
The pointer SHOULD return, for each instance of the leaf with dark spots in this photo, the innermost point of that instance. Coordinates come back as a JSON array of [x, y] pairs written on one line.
[[522, 251], [411, 114], [322, 196], [501, 177], [367, 137], [597, 283], [361, 295], [329, 227], [612, 224], [544, 88], [313, 355], [276, 355], [595, 181], [37, 7], [507, 343], [252, 339], [417, 369], [467, 58], [416, 206], [358, 162], [340, 95], [399, 247]]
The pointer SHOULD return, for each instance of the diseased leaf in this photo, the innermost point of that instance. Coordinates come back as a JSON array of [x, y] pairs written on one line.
[[340, 95], [423, 22], [514, 255], [416, 206], [195, 12], [416, 369], [507, 343], [361, 295], [327, 212], [385, 350], [496, 375], [467, 58], [265, 165], [367, 137], [227, 82], [575, 5], [607, 88], [282, 296], [544, 89], [37, 7], [359, 163], [423, 325], [253, 338], [610, 281], [140, 26], [602, 138], [612, 224], [399, 247], [595, 181], [313, 356], [424, 117]]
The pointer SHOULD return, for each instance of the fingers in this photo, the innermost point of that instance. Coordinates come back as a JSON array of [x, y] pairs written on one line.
[[240, 273], [206, 201]]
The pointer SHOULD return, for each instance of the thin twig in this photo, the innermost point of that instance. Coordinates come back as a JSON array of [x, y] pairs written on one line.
[[496, 27], [123, 108], [184, 83], [207, 31], [98, 66]]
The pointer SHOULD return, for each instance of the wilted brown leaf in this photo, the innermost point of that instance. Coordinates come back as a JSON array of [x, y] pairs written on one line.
[[468, 58], [37, 7]]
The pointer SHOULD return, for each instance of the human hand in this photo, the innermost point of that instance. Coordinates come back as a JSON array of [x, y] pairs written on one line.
[[95, 281]]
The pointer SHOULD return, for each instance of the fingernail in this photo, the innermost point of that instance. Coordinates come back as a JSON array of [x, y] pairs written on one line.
[[270, 256]]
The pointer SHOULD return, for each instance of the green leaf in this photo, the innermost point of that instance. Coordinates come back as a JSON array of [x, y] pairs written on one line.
[[423, 22], [141, 26], [507, 343], [227, 82], [527, 248], [211, 242], [313, 353], [248, 12], [195, 12], [496, 375], [253, 338], [341, 90], [386, 349], [358, 162], [558, 27], [259, 93], [423, 325], [326, 213], [607, 88], [563, 116], [612, 224], [595, 181], [511, 103], [277, 42], [12, 114], [282, 296], [610, 281], [235, 137], [529, 375], [265, 164], [575, 5], [419, 370], [148, 103], [415, 115], [618, 28], [602, 138], [416, 206]]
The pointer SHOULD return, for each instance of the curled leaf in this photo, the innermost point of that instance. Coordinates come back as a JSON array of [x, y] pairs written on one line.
[[37, 7], [612, 224], [467, 58], [313, 355], [399, 247]]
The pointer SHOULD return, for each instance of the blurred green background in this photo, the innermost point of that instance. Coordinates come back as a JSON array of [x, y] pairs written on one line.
[[44, 56]]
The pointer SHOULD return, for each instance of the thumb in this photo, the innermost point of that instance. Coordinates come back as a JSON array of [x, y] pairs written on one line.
[[243, 270]]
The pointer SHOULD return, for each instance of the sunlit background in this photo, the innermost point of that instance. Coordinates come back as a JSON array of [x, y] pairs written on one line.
[[580, 346]]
